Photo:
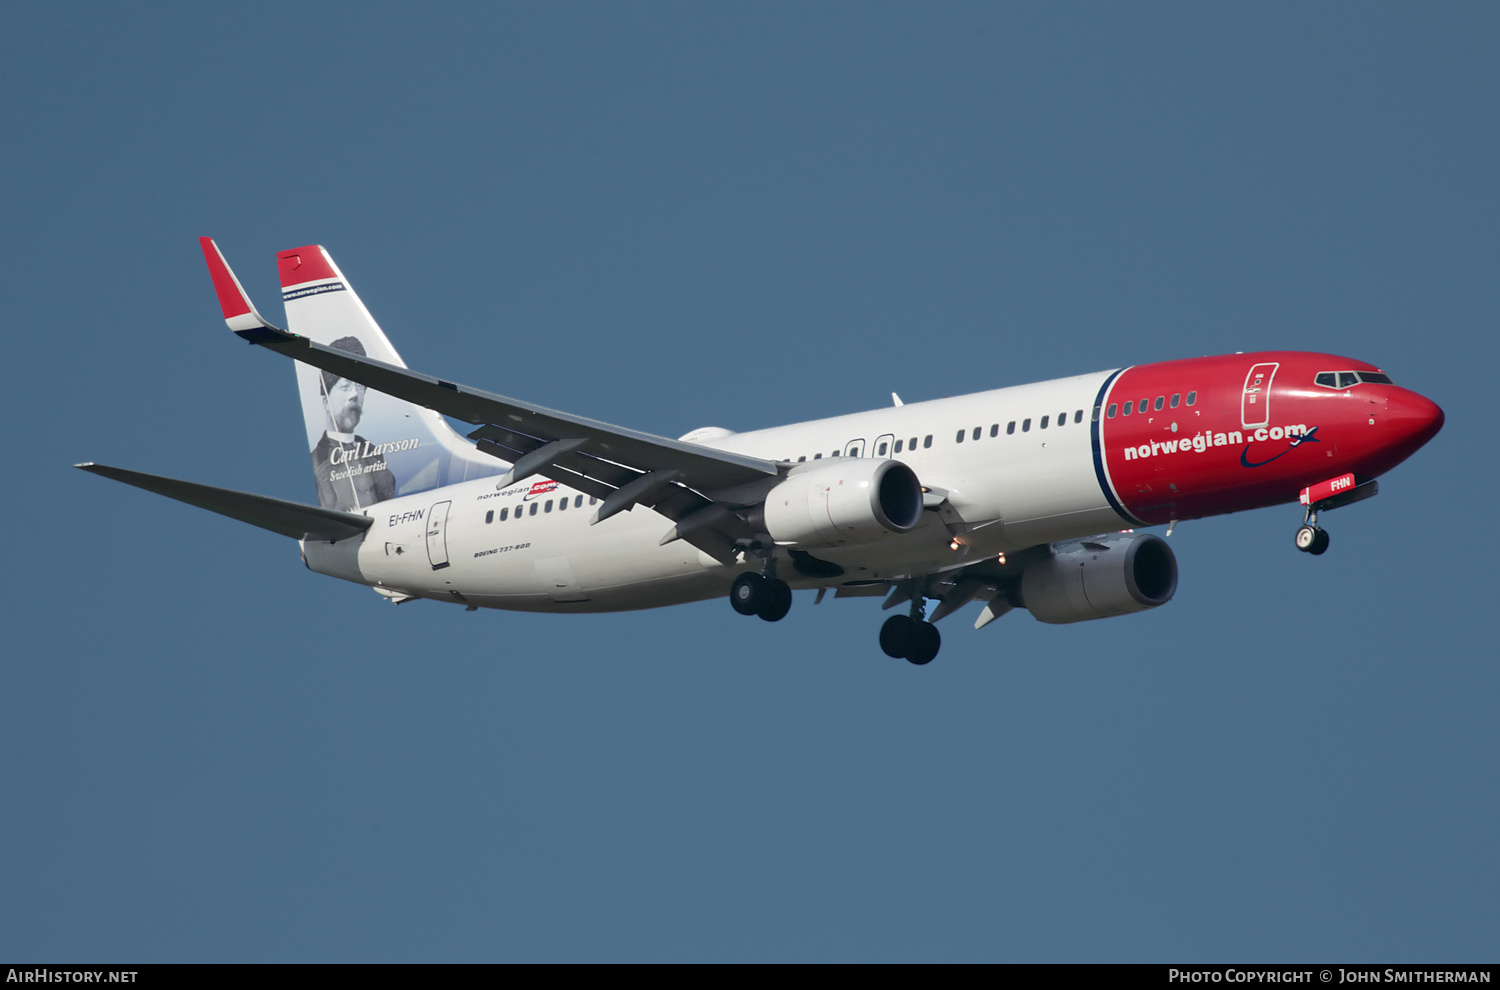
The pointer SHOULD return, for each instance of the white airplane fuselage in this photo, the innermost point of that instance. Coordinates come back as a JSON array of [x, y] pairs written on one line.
[[1018, 489]]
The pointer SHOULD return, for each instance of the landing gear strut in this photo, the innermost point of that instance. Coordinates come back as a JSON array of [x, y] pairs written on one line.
[[1310, 538], [911, 637]]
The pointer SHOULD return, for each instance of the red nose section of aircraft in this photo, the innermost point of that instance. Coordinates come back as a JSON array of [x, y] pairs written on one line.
[[1185, 439], [1411, 421]]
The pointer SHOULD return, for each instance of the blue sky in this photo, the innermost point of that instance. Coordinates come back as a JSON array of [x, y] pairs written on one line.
[[678, 215]]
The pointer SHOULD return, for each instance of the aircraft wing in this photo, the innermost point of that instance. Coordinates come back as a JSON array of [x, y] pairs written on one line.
[[620, 466], [687, 483], [512, 429], [300, 522], [988, 579]]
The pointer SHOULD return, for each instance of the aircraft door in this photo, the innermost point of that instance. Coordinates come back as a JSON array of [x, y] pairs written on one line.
[[855, 448], [1255, 401], [437, 535], [884, 445]]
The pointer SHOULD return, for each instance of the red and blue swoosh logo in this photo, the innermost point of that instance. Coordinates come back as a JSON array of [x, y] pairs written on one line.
[[1311, 436]]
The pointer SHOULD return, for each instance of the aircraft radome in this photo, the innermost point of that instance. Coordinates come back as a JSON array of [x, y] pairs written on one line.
[[1022, 497]]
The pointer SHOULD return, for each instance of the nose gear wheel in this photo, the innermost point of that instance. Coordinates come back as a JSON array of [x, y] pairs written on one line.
[[1311, 539]]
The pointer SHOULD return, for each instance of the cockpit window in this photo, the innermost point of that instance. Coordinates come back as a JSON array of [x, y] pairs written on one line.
[[1348, 379]]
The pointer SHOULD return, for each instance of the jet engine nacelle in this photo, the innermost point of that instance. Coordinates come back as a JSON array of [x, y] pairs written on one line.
[[1100, 577], [846, 502]]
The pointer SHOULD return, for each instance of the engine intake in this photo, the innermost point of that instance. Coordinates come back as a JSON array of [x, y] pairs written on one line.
[[846, 502], [1100, 577]]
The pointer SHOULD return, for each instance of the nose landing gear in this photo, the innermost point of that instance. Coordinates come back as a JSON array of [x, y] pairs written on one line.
[[1326, 496]]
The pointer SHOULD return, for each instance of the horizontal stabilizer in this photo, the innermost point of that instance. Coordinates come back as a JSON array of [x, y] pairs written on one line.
[[300, 522]]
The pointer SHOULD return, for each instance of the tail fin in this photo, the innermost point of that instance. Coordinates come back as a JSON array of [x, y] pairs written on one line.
[[366, 446]]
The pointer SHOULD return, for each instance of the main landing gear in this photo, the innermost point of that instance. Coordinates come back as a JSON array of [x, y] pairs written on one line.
[[911, 637], [1310, 538], [905, 637], [762, 595]]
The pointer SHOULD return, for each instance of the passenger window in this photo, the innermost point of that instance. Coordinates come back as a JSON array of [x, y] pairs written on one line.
[[978, 430], [1192, 397], [1142, 406], [592, 500], [927, 441], [1062, 418], [880, 451], [1010, 427], [912, 444], [489, 516], [802, 458], [1044, 422], [562, 504], [1176, 398], [504, 514], [898, 445], [1078, 416], [994, 429], [577, 501], [534, 507], [1025, 426], [959, 438], [1347, 378], [549, 506], [1126, 410], [1161, 400], [1108, 415]]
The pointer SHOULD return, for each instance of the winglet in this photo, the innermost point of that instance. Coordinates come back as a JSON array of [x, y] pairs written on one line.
[[239, 312]]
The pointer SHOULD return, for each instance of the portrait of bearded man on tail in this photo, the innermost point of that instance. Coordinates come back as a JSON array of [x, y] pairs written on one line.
[[348, 477]]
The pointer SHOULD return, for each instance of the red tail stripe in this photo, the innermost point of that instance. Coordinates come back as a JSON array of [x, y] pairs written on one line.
[[304, 264]]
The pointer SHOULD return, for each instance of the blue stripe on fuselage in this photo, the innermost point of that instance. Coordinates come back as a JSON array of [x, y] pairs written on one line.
[[1096, 432]]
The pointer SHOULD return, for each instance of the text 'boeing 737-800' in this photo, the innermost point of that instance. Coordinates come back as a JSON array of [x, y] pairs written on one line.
[[1023, 497]]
